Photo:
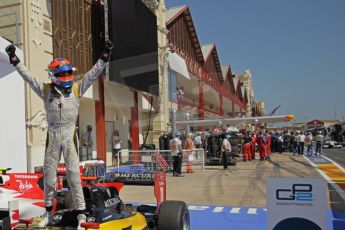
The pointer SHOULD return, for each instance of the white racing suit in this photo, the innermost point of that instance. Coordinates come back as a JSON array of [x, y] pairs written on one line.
[[62, 112]]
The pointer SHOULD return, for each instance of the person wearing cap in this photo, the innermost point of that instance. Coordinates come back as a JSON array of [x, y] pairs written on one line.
[[61, 103], [319, 139]]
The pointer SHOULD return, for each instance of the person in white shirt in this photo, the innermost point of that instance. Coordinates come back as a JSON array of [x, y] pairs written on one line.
[[198, 144], [176, 154], [308, 142], [226, 150], [116, 147], [319, 140], [301, 143]]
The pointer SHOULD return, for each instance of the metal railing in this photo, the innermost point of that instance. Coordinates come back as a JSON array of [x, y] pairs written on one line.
[[142, 161], [85, 153]]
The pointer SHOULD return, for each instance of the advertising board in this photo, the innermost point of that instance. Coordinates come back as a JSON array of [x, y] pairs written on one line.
[[296, 203]]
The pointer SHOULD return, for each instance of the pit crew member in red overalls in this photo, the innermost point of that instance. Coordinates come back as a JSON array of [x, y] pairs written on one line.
[[262, 146], [246, 142], [268, 145], [253, 136]]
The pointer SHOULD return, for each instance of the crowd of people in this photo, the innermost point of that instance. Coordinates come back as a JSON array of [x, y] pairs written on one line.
[[265, 143], [253, 145]]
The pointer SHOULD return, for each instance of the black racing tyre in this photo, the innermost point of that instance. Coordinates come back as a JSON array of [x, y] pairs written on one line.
[[173, 215]]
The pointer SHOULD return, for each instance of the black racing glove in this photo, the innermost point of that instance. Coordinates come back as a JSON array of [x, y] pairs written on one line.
[[108, 46], [11, 52]]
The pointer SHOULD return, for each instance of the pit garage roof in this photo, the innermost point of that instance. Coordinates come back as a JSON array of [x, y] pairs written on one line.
[[172, 14]]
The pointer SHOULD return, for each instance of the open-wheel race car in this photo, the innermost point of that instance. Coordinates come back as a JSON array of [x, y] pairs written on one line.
[[105, 210]]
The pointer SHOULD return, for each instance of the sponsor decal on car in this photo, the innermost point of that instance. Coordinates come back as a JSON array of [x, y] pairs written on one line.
[[130, 178], [23, 186], [112, 202], [25, 176]]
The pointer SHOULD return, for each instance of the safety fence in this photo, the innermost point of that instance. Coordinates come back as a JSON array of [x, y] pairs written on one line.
[[142, 161]]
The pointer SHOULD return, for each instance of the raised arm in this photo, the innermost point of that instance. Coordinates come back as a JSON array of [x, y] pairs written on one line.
[[33, 81], [91, 76]]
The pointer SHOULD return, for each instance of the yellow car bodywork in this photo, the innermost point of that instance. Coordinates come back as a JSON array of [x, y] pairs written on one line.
[[136, 222]]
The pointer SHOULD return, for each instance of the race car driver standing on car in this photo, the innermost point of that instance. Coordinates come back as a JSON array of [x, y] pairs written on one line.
[[61, 103]]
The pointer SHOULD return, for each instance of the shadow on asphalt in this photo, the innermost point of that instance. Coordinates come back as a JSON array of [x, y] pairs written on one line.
[[218, 168], [301, 162]]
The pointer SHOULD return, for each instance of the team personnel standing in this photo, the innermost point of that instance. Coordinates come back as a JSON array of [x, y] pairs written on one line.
[[87, 137], [268, 145], [116, 141], [280, 142], [253, 145], [226, 150], [246, 146], [319, 139], [294, 137], [189, 146], [301, 143], [198, 144], [262, 141], [87, 142], [298, 137], [61, 103], [176, 153], [308, 142]]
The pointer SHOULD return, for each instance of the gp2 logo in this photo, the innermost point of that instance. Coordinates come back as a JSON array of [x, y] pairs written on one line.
[[298, 192]]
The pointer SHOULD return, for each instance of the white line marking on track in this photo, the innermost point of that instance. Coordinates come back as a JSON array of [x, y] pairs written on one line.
[[218, 209], [235, 210], [198, 208], [252, 211], [331, 182]]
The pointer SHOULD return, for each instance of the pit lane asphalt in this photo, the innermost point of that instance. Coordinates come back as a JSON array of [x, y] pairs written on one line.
[[240, 185], [336, 154]]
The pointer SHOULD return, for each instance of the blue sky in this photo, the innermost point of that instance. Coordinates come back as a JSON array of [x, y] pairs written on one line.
[[295, 50]]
